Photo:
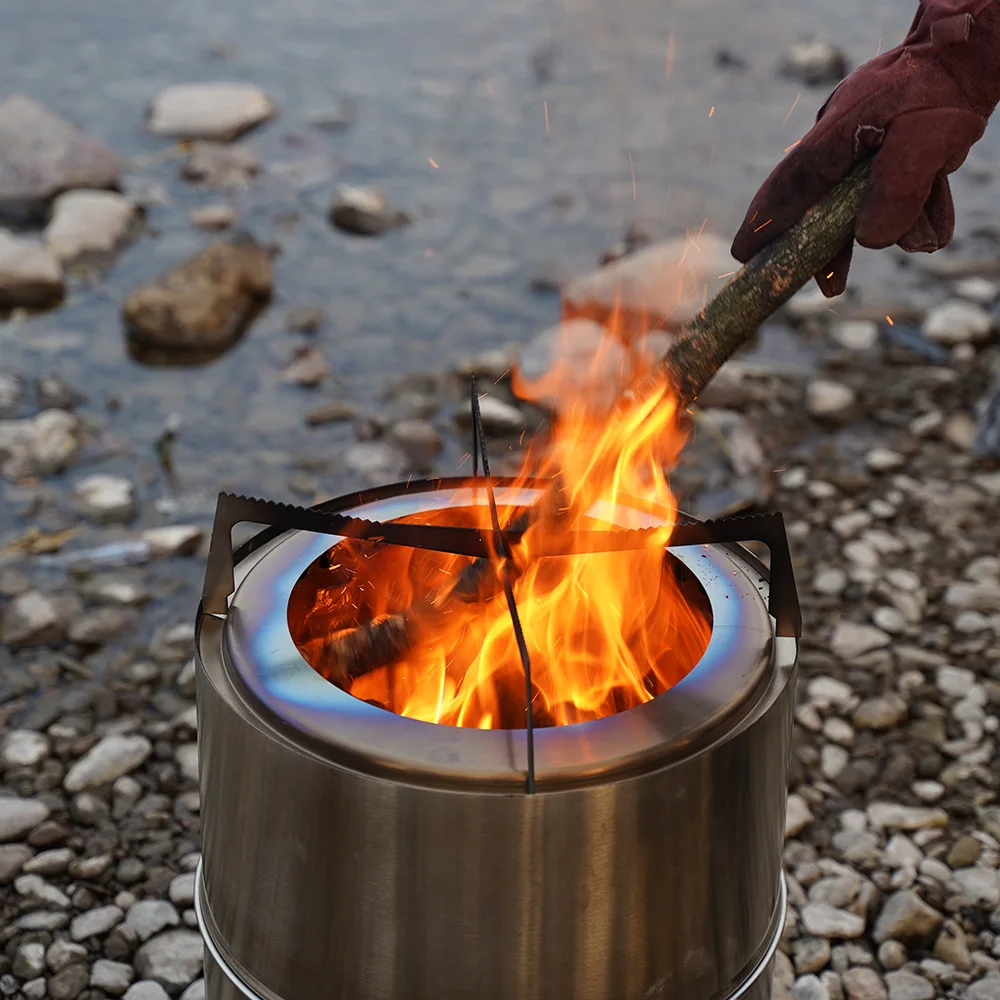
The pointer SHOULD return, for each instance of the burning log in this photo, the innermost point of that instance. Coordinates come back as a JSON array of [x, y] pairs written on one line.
[[725, 325]]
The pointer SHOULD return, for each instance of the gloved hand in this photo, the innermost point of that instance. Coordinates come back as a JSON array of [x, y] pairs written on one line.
[[918, 108]]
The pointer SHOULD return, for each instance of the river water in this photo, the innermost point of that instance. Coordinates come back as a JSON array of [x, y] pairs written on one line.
[[625, 127]]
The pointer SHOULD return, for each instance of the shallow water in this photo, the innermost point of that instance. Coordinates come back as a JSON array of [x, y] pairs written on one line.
[[629, 136]]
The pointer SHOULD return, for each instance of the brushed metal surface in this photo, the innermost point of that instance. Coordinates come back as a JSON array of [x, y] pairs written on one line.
[[327, 877]]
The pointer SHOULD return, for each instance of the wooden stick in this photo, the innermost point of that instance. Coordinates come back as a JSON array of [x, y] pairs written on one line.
[[725, 325]]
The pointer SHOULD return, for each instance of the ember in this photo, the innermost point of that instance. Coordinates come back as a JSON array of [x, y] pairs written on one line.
[[605, 631]]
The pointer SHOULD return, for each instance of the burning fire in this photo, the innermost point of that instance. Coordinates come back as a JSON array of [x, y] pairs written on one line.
[[605, 631]]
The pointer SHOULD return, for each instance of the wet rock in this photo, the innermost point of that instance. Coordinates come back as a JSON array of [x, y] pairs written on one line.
[[958, 322], [42, 155], [173, 540], [23, 748], [907, 918], [111, 758], [95, 923], [418, 440], [95, 628], [864, 984], [31, 619], [829, 401], [307, 368], [851, 640], [105, 499], [885, 712], [70, 983], [174, 958], [213, 217], [797, 816], [221, 165], [89, 225], [824, 920], [498, 417], [814, 62], [30, 276], [217, 110], [330, 413], [660, 286], [364, 212], [204, 303], [150, 916]]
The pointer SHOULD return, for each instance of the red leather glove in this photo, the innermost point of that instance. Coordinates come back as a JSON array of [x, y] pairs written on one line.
[[918, 108]]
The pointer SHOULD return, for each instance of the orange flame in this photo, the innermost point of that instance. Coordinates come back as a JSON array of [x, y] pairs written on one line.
[[605, 631]]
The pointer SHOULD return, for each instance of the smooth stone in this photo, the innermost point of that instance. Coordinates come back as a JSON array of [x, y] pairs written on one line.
[[831, 401], [12, 859], [24, 748], [884, 712], [41, 445], [173, 540], [89, 224], [150, 916], [797, 816], [823, 920], [35, 889], [307, 367], [53, 862], [906, 918], [660, 285], [221, 165], [851, 640], [891, 955], [981, 885], [29, 960], [174, 958], [187, 760], [42, 155], [864, 984], [985, 989], [146, 989], [18, 816], [810, 954], [63, 953], [212, 218], [30, 276], [856, 334], [892, 816], [809, 988], [69, 983], [112, 977], [958, 322], [218, 110], [111, 758], [182, 890], [418, 440], [204, 303], [95, 923], [364, 212], [105, 499], [813, 62], [196, 991]]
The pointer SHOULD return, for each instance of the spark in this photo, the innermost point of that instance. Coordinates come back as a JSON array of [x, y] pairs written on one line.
[[432, 163], [762, 225], [878, 48], [792, 146], [712, 112], [829, 276], [545, 105], [502, 376], [465, 458], [632, 168], [792, 108], [728, 274], [888, 320]]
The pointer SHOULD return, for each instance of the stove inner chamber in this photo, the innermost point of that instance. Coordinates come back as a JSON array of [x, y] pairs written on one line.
[[605, 632]]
